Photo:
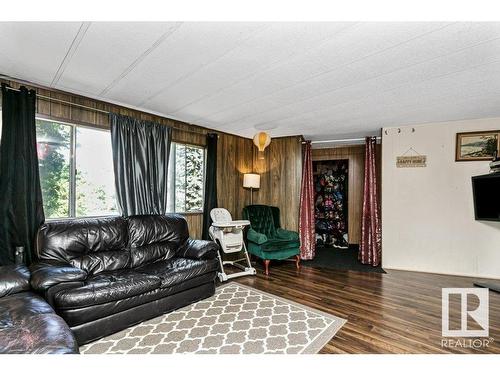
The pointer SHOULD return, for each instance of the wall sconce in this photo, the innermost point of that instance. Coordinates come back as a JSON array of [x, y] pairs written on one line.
[[261, 140], [251, 181]]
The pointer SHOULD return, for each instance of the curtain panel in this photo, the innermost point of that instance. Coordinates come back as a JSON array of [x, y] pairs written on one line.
[[21, 207], [210, 200], [306, 220], [370, 247], [140, 158]]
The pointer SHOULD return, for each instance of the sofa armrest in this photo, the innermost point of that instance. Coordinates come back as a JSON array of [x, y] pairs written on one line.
[[284, 234], [198, 249], [14, 279], [254, 236], [46, 274]]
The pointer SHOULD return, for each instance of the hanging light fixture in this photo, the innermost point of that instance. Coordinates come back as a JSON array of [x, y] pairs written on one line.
[[261, 140]]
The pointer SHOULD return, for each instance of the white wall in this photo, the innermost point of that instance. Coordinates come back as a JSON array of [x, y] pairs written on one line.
[[427, 213]]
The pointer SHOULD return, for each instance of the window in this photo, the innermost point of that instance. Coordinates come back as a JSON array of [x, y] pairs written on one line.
[[77, 179], [76, 170], [186, 178]]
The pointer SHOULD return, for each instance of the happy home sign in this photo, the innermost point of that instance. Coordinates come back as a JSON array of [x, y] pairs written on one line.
[[411, 161]]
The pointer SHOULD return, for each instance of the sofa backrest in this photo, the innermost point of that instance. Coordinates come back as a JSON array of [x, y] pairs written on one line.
[[91, 244], [155, 237], [263, 219], [111, 243]]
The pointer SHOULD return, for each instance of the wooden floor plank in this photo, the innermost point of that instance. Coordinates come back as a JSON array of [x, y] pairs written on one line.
[[397, 312]]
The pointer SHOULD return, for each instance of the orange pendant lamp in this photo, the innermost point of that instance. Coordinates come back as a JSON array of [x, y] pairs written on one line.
[[261, 140]]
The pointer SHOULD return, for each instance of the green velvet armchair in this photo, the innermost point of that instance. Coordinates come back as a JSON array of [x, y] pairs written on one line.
[[266, 239]]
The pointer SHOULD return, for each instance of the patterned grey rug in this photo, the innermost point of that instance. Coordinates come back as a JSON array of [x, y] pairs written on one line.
[[236, 320]]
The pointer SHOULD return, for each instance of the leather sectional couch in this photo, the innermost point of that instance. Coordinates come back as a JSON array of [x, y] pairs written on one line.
[[102, 275], [28, 325]]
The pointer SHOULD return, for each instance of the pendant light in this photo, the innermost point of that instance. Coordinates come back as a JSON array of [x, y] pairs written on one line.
[[261, 140]]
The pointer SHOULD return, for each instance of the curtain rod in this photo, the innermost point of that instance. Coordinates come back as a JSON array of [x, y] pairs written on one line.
[[48, 98], [342, 140]]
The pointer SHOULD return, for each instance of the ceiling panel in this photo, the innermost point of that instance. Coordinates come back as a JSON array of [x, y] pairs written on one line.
[[356, 43], [189, 49], [322, 80], [358, 81], [35, 50], [266, 48], [119, 45], [400, 106]]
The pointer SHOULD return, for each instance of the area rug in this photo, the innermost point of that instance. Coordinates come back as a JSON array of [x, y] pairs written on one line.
[[340, 260], [237, 320]]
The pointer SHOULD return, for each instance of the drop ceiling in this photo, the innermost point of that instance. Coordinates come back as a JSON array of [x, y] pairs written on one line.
[[322, 80]]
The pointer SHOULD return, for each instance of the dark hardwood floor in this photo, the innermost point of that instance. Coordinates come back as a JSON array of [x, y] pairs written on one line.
[[397, 312]]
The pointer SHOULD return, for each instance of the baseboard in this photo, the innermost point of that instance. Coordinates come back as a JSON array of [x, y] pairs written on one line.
[[472, 276]]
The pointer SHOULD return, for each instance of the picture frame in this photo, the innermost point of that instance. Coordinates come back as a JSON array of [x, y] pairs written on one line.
[[477, 146]]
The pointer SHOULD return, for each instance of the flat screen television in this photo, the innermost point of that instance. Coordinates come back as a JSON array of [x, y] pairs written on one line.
[[486, 193]]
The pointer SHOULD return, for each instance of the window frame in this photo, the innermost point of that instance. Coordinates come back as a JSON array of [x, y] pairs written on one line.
[[73, 170], [172, 150]]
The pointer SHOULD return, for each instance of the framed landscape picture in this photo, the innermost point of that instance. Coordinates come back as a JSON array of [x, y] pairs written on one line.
[[477, 145]]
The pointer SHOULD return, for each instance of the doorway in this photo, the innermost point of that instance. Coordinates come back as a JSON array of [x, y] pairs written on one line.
[[337, 242], [331, 202]]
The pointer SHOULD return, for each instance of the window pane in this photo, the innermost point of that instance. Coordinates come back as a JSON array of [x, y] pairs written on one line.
[[95, 189], [194, 178], [180, 178], [187, 167], [53, 148]]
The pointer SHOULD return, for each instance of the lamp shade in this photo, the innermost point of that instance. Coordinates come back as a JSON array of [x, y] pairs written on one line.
[[261, 140], [251, 180]]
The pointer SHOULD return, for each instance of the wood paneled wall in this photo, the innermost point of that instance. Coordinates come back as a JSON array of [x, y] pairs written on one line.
[[234, 158], [281, 168], [281, 175], [356, 156]]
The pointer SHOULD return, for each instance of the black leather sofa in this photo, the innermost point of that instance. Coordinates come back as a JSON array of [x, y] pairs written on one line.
[[28, 325], [102, 275]]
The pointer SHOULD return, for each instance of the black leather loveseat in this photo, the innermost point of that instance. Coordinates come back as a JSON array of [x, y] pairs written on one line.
[[102, 275], [28, 325]]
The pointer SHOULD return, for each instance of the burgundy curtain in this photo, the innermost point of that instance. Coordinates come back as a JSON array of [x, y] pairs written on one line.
[[370, 248], [306, 221]]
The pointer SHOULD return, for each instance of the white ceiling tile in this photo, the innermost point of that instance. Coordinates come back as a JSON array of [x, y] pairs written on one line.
[[189, 49], [355, 43], [316, 79], [118, 44], [266, 48], [351, 83], [34, 50]]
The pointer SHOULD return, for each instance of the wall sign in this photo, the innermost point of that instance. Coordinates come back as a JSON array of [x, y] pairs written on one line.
[[411, 161]]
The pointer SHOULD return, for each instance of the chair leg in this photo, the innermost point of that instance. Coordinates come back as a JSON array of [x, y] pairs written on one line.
[[297, 261], [266, 266]]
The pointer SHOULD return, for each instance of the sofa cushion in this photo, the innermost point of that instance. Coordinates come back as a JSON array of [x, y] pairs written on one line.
[[148, 229], [155, 237], [106, 287], [92, 244], [276, 255], [150, 253], [14, 279], [178, 270], [78, 316], [275, 244], [20, 306], [28, 325]]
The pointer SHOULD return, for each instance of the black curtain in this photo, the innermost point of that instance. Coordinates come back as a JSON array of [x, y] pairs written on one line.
[[21, 208], [140, 158], [210, 200]]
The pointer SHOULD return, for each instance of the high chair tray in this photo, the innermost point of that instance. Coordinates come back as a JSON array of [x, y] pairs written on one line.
[[234, 223]]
